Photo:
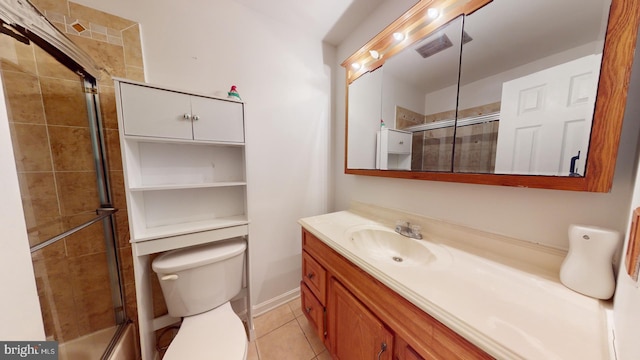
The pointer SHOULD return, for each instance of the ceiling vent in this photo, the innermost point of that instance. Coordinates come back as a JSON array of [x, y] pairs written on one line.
[[434, 46], [440, 43]]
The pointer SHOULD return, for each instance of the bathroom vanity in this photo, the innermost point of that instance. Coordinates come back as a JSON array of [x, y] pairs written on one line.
[[458, 294]]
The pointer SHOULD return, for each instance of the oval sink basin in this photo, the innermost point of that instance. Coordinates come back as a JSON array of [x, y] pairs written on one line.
[[385, 245]]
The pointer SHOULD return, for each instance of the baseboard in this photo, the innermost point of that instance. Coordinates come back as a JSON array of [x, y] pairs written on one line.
[[273, 303]]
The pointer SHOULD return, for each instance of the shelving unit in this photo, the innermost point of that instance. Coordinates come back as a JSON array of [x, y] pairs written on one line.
[[185, 180], [393, 150]]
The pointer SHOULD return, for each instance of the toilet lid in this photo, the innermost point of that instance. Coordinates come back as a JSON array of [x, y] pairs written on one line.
[[213, 335]]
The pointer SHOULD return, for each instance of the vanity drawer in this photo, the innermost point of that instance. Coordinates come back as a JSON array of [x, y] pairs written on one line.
[[314, 276], [312, 309]]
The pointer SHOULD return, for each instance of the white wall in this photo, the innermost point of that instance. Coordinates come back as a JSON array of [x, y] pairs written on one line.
[[20, 314], [283, 77], [396, 92], [535, 215]]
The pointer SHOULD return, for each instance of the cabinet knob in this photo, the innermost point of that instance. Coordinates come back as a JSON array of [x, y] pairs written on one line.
[[196, 117], [401, 142], [310, 275], [186, 116], [308, 309]]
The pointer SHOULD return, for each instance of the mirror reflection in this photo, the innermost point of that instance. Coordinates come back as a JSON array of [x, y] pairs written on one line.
[[528, 84], [419, 92], [522, 103]]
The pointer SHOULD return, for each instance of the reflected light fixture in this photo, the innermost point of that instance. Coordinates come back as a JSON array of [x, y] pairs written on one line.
[[356, 66], [398, 36], [374, 54], [433, 13]]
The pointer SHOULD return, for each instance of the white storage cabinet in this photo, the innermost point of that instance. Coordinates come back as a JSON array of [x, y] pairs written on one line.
[[185, 180], [393, 150]]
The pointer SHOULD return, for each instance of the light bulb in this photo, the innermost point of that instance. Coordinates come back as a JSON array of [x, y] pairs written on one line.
[[398, 36], [374, 54], [355, 66], [433, 13]]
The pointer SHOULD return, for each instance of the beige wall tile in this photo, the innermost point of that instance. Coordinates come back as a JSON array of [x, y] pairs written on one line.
[[31, 147], [122, 227], [112, 140], [98, 17], [77, 192], [39, 200], [17, 56], [99, 37], [109, 56], [23, 97], [96, 309], [132, 46], [159, 305], [118, 196], [88, 273], [126, 265], [130, 302], [53, 251], [64, 102], [50, 67], [135, 73], [71, 148], [88, 241], [54, 275], [108, 113], [59, 6]]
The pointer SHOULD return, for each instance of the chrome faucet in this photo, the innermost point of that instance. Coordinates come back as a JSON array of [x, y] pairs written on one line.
[[411, 231]]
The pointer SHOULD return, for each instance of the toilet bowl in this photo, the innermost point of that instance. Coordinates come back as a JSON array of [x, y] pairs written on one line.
[[198, 283]]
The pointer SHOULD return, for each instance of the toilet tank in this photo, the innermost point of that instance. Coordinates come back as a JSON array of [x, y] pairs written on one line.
[[200, 278]]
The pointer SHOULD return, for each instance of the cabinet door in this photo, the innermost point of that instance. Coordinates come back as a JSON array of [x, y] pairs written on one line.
[[399, 142], [312, 309], [403, 351], [217, 120], [153, 112], [354, 332]]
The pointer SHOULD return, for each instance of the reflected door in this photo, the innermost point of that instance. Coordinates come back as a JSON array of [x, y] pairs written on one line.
[[545, 119]]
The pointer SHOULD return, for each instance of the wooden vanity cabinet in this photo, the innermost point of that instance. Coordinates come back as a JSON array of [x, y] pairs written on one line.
[[361, 314]]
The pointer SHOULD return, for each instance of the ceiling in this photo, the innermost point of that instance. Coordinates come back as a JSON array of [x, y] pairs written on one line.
[[331, 20]]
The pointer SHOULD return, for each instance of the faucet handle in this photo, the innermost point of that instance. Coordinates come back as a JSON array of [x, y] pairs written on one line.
[[415, 231], [401, 224]]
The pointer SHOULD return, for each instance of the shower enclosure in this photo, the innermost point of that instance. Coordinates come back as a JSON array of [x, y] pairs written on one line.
[[60, 154]]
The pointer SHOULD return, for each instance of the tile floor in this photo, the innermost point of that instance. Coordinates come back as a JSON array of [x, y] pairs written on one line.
[[285, 334]]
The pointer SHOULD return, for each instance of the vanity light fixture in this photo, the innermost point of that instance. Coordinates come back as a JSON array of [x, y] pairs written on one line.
[[374, 54], [433, 13], [398, 36]]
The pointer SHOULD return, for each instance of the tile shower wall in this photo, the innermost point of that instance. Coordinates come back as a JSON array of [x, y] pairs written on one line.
[[55, 165]]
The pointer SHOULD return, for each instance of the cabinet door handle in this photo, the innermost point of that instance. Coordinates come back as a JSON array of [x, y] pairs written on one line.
[[383, 348], [186, 116], [196, 117], [310, 275], [401, 142], [308, 309]]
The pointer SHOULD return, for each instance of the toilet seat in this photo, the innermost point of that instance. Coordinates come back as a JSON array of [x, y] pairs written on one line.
[[212, 335]]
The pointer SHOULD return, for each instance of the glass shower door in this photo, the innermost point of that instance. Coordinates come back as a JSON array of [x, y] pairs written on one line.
[[59, 157]]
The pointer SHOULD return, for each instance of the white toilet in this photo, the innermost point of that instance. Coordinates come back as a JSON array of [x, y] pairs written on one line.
[[197, 283]]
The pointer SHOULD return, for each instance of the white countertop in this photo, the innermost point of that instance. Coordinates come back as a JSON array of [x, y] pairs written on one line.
[[501, 294]]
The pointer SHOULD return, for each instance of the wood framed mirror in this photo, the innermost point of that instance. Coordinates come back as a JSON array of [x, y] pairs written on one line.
[[595, 174]]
